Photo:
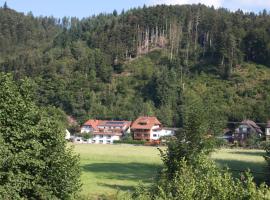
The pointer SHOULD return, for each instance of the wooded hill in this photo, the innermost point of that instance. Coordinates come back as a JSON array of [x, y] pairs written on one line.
[[145, 61]]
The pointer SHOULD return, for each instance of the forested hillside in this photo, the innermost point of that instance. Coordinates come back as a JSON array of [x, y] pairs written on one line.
[[148, 60]]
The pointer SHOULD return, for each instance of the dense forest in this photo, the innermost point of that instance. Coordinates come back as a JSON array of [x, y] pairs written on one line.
[[144, 61]]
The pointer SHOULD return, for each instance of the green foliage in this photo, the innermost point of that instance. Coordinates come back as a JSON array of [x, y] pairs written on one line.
[[188, 172], [104, 66], [87, 136], [202, 180], [36, 162], [130, 142]]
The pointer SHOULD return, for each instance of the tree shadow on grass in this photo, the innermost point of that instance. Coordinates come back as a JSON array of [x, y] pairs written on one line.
[[118, 187], [236, 167], [123, 171]]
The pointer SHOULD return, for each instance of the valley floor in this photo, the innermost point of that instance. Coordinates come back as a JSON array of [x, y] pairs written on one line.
[[107, 169]]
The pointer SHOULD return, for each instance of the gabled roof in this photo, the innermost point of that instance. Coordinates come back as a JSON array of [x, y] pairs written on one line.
[[92, 122], [252, 125], [114, 123], [95, 123], [145, 123]]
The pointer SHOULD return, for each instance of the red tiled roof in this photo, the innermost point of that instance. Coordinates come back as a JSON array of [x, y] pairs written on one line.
[[92, 122], [114, 123], [95, 123], [145, 123]]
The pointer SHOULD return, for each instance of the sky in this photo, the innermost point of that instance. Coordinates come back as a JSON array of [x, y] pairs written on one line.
[[86, 8]]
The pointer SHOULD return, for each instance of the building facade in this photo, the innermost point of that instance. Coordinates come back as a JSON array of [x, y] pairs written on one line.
[[146, 128], [106, 132]]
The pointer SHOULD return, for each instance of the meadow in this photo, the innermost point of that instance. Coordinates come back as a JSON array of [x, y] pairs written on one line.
[[108, 169]]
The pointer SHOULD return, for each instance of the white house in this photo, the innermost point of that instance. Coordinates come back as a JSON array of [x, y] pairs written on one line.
[[150, 129], [146, 128], [105, 132]]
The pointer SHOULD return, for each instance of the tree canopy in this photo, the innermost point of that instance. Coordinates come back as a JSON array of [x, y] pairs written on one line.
[[36, 162]]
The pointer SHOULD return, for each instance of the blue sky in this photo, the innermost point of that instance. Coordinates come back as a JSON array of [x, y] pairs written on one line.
[[85, 8]]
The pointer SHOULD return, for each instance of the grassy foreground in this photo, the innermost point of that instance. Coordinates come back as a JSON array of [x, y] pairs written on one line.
[[107, 169]]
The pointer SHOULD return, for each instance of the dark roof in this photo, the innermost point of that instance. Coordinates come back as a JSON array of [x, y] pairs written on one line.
[[252, 125]]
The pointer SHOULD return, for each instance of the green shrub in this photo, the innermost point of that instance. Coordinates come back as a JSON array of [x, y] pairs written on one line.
[[199, 181], [139, 142]]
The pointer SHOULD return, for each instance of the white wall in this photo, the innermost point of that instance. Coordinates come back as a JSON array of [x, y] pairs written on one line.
[[105, 139], [86, 129], [155, 135], [81, 140], [267, 131]]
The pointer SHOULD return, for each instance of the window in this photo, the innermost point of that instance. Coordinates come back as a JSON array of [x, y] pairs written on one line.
[[145, 135], [78, 140], [154, 135], [94, 141], [138, 135], [108, 141], [101, 136], [101, 141], [109, 136], [142, 123]]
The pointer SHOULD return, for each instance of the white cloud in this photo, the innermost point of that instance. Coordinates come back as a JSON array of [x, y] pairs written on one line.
[[215, 3]]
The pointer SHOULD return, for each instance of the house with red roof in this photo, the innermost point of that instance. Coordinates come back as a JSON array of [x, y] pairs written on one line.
[[105, 131], [89, 126], [146, 128]]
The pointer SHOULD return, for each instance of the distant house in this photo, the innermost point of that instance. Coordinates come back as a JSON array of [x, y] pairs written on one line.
[[267, 130], [104, 131], [146, 128], [246, 129], [89, 126]]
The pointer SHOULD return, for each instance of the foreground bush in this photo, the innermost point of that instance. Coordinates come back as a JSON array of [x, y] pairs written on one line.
[[200, 181], [35, 161], [189, 174]]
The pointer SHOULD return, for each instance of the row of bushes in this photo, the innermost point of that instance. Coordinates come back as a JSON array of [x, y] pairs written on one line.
[[130, 142]]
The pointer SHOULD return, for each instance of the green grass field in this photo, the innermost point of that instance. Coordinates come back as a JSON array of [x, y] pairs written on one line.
[[107, 169]]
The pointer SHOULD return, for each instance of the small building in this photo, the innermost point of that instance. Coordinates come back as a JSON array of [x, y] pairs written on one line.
[[146, 128], [104, 131], [167, 131], [267, 131], [246, 129]]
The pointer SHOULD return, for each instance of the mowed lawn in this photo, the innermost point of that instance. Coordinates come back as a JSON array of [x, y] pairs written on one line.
[[107, 169], [239, 160]]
